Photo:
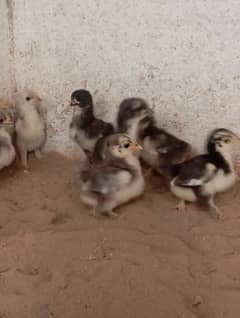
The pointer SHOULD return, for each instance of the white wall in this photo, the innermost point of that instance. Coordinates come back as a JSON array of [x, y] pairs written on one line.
[[183, 56], [7, 82]]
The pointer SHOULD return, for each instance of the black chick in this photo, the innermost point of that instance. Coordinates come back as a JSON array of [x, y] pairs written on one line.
[[85, 128]]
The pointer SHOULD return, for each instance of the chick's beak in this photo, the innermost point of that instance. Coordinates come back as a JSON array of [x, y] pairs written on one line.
[[236, 139], [136, 147], [74, 104]]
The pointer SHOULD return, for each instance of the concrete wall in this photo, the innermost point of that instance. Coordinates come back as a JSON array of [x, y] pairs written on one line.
[[183, 56], [7, 77]]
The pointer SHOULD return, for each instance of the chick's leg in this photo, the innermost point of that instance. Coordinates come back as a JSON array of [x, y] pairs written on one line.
[[38, 154], [214, 210], [181, 206], [24, 160], [106, 207], [94, 212], [112, 214], [206, 201]]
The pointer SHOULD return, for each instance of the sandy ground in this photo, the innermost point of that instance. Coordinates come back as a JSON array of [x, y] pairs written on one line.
[[58, 261]]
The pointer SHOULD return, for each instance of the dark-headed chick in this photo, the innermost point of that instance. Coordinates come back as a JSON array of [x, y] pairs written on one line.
[[134, 115], [200, 178], [85, 128], [161, 149]]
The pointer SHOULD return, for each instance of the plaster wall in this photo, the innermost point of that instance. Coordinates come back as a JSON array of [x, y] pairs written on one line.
[[183, 56], [6, 51]]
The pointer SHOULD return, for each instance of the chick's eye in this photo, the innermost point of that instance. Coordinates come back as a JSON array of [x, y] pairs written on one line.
[[28, 98], [126, 145], [226, 141]]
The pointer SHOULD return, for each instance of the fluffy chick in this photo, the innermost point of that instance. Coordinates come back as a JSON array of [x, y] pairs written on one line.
[[85, 129], [116, 182], [161, 149], [31, 128], [200, 178], [134, 115]]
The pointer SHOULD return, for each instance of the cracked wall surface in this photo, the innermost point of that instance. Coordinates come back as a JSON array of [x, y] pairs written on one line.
[[183, 56]]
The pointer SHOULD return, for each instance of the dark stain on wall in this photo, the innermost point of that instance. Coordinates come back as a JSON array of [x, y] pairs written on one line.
[[12, 44]]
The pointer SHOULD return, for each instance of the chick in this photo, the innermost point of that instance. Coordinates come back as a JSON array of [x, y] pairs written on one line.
[[100, 154], [134, 115], [117, 181], [161, 150], [200, 178], [101, 151], [85, 128], [7, 150], [8, 115], [31, 128]]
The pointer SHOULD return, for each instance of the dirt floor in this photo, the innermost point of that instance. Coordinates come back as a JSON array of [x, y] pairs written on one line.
[[58, 261]]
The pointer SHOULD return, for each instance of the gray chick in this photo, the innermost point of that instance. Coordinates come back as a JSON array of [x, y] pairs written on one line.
[[117, 181], [134, 115]]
